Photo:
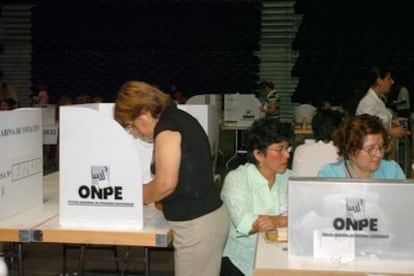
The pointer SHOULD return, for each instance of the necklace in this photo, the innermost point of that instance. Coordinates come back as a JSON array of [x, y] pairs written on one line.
[[349, 170]]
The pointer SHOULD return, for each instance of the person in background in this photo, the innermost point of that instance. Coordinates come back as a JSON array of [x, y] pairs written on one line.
[[4, 105], [380, 80], [177, 95], [255, 193], [7, 91], [97, 99], [12, 104], [43, 95], [82, 98], [402, 103], [326, 105], [183, 176], [363, 142], [311, 156], [270, 100]]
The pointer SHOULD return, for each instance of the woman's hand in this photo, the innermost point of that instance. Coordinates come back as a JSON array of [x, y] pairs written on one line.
[[265, 223], [398, 132]]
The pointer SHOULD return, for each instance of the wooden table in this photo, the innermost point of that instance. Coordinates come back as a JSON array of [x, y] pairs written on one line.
[[156, 232], [18, 229], [273, 259], [41, 224]]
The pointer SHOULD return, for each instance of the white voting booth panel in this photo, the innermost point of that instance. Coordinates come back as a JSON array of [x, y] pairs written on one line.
[[143, 148], [207, 117], [100, 176], [215, 100], [96, 153], [21, 166], [241, 109], [50, 129]]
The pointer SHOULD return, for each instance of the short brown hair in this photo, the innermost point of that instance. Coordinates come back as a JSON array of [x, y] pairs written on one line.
[[134, 97], [349, 137]]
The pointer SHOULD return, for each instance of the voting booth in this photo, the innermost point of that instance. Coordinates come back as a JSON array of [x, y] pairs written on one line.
[[100, 176], [103, 167], [351, 218], [215, 100], [206, 115], [241, 109], [50, 128], [21, 166]]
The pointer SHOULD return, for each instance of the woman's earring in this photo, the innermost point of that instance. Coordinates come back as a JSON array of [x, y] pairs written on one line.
[[260, 164]]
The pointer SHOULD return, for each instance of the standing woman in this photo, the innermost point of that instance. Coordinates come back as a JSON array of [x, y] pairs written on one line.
[[363, 142], [183, 176], [255, 194], [380, 81]]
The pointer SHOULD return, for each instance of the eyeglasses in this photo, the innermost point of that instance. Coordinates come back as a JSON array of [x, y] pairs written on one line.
[[130, 127], [373, 150], [282, 150]]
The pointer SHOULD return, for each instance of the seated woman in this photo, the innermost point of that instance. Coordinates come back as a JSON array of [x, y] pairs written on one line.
[[363, 142], [314, 154], [255, 193]]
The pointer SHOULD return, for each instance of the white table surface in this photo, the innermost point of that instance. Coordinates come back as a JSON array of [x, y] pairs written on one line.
[[273, 259]]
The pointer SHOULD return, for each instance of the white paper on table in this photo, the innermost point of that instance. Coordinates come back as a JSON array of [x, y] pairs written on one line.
[[333, 244]]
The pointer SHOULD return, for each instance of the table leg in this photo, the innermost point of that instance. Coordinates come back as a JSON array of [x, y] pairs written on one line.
[[147, 259], [236, 142]]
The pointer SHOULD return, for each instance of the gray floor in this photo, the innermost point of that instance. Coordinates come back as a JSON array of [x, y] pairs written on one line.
[[46, 259]]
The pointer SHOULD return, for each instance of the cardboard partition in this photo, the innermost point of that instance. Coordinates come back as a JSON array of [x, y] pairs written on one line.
[[143, 148], [241, 109], [100, 176], [215, 100], [50, 128], [21, 165], [206, 115]]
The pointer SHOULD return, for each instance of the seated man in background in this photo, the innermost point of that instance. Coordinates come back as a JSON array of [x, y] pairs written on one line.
[[315, 153]]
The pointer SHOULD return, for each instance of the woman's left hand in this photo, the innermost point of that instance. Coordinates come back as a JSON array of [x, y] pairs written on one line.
[[265, 223]]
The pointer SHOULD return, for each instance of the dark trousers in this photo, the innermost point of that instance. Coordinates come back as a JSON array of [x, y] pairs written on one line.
[[228, 268]]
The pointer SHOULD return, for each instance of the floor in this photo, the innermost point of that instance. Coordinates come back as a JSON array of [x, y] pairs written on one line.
[[46, 259]]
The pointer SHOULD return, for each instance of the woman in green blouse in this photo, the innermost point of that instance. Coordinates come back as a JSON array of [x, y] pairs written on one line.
[[255, 193]]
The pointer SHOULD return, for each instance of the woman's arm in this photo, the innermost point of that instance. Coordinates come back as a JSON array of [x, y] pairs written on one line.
[[265, 223], [167, 163], [238, 199]]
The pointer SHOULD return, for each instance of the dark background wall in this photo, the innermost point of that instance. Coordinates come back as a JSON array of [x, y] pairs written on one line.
[[201, 46], [339, 40], [210, 46]]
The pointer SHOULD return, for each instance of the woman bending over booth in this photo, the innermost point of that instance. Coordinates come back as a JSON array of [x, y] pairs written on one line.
[[183, 176]]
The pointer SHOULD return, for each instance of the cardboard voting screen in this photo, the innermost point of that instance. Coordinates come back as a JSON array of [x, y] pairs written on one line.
[[100, 176], [21, 166], [143, 148], [241, 109], [215, 100], [50, 129]]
